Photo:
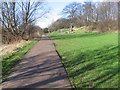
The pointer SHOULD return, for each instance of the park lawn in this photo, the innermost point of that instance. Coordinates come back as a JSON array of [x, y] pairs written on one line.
[[91, 59], [8, 62]]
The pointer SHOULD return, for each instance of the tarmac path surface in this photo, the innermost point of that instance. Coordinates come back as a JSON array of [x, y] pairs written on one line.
[[40, 68]]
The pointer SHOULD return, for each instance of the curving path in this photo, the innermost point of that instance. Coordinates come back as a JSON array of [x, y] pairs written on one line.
[[41, 68]]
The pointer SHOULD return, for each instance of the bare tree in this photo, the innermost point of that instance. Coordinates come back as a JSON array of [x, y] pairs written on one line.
[[102, 16], [70, 11], [17, 16], [107, 16], [9, 21], [31, 11]]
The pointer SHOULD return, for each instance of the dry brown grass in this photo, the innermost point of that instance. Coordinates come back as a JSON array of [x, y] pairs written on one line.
[[10, 48]]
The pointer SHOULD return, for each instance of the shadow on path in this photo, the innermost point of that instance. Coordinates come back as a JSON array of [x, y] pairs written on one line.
[[41, 68]]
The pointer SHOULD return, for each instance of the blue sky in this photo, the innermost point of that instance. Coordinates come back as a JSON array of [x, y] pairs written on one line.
[[55, 9]]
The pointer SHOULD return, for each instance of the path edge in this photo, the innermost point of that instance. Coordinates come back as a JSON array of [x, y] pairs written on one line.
[[71, 84]]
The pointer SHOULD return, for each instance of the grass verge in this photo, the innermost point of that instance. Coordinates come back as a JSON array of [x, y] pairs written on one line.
[[91, 59], [8, 62]]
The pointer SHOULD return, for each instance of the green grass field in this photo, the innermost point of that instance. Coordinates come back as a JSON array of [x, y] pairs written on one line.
[[91, 59], [9, 61]]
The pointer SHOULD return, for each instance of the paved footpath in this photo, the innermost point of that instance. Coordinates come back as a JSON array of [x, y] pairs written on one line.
[[41, 68]]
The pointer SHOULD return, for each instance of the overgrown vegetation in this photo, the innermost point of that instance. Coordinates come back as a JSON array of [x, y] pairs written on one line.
[[91, 59], [9, 61]]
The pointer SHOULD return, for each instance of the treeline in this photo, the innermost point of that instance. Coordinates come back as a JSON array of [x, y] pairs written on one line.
[[59, 24], [101, 16], [18, 20]]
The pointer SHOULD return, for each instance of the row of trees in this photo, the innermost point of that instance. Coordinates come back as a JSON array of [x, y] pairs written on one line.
[[102, 16], [59, 24], [18, 20]]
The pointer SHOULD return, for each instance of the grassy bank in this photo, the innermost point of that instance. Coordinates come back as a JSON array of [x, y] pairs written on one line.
[[91, 59], [9, 61]]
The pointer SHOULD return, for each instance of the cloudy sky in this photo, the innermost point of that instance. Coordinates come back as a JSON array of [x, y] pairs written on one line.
[[55, 9]]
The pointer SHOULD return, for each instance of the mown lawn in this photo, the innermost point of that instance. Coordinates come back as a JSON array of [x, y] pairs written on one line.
[[9, 61], [91, 59]]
